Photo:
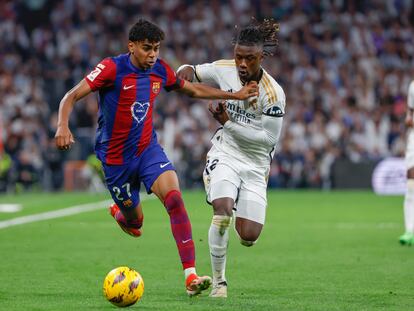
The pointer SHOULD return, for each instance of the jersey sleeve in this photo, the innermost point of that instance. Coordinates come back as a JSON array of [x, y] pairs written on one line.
[[103, 75], [274, 103], [268, 135], [410, 99], [272, 120], [206, 73], [172, 81]]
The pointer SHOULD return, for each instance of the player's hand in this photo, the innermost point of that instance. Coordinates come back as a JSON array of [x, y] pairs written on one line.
[[219, 112], [251, 89], [187, 73], [63, 138]]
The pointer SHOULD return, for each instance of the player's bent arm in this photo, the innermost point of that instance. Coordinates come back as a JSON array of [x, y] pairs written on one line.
[[204, 73], [268, 135], [63, 136], [198, 90], [186, 72]]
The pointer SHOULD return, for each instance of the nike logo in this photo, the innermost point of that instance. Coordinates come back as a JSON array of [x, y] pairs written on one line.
[[185, 241], [128, 87], [164, 164]]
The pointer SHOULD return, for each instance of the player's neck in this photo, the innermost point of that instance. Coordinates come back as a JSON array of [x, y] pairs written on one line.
[[135, 63], [256, 77]]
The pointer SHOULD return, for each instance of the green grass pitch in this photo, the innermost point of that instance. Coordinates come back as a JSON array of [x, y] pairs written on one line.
[[318, 251]]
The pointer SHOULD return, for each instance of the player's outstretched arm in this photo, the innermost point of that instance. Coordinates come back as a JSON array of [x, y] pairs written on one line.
[[198, 90], [63, 137]]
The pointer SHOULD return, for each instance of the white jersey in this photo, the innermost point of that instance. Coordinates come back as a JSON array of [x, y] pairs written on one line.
[[410, 98], [270, 102]]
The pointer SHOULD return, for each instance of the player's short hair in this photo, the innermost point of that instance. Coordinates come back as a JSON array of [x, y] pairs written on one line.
[[259, 33], [144, 29]]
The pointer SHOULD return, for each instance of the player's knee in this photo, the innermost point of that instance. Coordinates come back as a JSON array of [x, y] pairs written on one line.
[[173, 201], [223, 206], [222, 222], [410, 173], [247, 239]]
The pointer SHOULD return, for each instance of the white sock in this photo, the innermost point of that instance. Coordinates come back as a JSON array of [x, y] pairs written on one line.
[[409, 207], [218, 239], [189, 271]]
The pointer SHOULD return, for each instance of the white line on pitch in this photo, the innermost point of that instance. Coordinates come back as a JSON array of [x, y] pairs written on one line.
[[73, 210]]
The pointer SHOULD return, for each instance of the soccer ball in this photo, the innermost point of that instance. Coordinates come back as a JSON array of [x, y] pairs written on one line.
[[123, 286]]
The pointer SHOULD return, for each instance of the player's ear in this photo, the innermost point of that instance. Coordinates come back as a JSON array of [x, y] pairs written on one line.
[[131, 47]]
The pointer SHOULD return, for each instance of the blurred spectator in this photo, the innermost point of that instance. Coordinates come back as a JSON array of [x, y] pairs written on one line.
[[345, 67]]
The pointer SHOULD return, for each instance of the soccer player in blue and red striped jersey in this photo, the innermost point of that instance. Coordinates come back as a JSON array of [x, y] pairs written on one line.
[[126, 142]]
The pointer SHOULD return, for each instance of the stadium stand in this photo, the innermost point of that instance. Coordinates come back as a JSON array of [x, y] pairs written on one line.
[[345, 67]]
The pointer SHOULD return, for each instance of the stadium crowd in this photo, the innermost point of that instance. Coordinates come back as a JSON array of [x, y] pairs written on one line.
[[345, 67]]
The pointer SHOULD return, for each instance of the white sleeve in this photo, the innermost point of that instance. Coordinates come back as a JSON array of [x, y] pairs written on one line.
[[206, 73], [268, 135], [410, 99]]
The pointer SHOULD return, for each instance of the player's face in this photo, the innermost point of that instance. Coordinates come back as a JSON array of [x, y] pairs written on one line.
[[144, 54], [248, 59]]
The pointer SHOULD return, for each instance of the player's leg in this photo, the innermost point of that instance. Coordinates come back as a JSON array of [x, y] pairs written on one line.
[[126, 210], [408, 237], [250, 213], [130, 221], [218, 239], [248, 231], [167, 189], [221, 187], [160, 178]]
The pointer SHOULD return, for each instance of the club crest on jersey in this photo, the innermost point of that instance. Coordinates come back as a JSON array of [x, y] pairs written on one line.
[[156, 87], [139, 111]]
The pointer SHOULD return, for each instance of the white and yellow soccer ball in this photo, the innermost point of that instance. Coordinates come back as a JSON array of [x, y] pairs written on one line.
[[123, 286]]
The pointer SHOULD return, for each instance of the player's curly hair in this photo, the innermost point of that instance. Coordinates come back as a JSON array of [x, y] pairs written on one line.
[[144, 29], [259, 33]]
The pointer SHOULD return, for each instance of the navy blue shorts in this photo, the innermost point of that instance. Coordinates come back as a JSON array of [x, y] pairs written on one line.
[[123, 181]]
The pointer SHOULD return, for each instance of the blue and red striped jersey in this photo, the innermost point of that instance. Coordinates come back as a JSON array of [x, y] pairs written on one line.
[[126, 104]]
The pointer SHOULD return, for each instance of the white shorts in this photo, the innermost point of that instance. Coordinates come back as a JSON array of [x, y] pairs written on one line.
[[409, 151], [227, 177]]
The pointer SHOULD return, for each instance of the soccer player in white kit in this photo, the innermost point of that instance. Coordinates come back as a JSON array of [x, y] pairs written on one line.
[[408, 237], [238, 163]]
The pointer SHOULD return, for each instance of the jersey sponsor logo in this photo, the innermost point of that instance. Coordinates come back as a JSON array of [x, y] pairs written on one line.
[[274, 111], [164, 165], [128, 87], [239, 114], [139, 111], [156, 86], [94, 73]]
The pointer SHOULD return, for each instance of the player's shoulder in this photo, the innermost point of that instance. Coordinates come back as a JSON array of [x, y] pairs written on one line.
[[162, 62], [273, 91], [411, 86], [121, 58], [224, 63]]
